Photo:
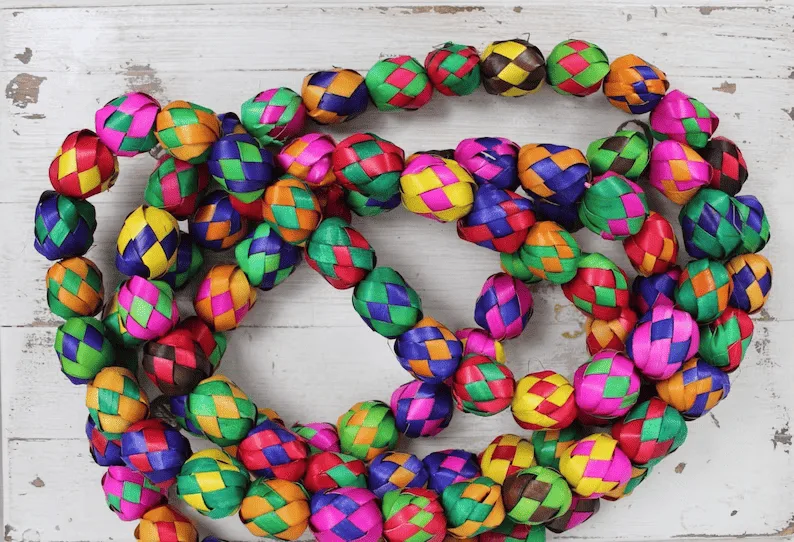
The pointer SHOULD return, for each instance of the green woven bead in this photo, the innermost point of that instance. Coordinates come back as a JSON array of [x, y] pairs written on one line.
[[711, 225], [754, 224], [550, 444], [536, 495], [724, 341], [222, 411], [398, 83], [276, 509], [515, 267], [364, 205], [454, 69], [265, 258], [183, 183], [613, 207], [273, 116], [213, 483], [576, 67], [626, 153], [473, 507], [367, 429], [339, 253], [74, 288], [82, 348], [703, 290], [649, 432], [386, 303], [550, 252]]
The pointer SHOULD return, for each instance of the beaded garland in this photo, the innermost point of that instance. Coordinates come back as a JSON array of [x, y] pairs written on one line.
[[345, 481]]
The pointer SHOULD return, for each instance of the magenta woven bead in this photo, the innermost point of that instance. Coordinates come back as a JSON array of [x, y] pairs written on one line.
[[504, 307], [129, 494], [320, 436], [607, 386], [126, 124], [595, 465], [422, 409], [678, 171], [346, 514], [478, 341], [309, 158], [682, 118], [147, 308], [490, 160], [663, 339]]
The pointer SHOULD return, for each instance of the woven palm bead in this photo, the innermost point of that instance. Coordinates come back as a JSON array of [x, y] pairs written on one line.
[[74, 288], [728, 168], [309, 158], [447, 467], [175, 363], [413, 515], [580, 511], [544, 400], [626, 153], [213, 483], [550, 252], [319, 436], [115, 401], [217, 225], [147, 242], [436, 188], [536, 495], [429, 351], [273, 451], [478, 341], [678, 171], [657, 289], [663, 339], [104, 451], [346, 514], [398, 83], [654, 248], [600, 287], [516, 268], [341, 255], [711, 225], [274, 116], [512, 68], [724, 341], [499, 220], [609, 334], [549, 444], [576, 67], [751, 275], [422, 409], [755, 225], [129, 494], [164, 524], [64, 226], [649, 432], [275, 509], [695, 389], [368, 164], [490, 160], [367, 429], [126, 124], [187, 131], [684, 119], [189, 260], [82, 348], [213, 343], [607, 385], [156, 450], [265, 258], [634, 85], [147, 308], [510, 531], [224, 297], [231, 124], [473, 507], [331, 470], [391, 471], [638, 475], [482, 386], [506, 455], [386, 303], [454, 69], [241, 167], [175, 186], [613, 207], [222, 411], [504, 306], [553, 172], [115, 329], [334, 96], [363, 205], [595, 465], [83, 166], [704, 289], [292, 209]]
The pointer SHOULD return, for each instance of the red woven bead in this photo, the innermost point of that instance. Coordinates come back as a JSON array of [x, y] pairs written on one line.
[[482, 386], [600, 288], [609, 334], [498, 220], [332, 470], [368, 164], [653, 249], [84, 166], [252, 211], [273, 451], [176, 363]]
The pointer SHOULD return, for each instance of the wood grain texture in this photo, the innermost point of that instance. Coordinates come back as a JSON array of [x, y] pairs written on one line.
[[303, 351]]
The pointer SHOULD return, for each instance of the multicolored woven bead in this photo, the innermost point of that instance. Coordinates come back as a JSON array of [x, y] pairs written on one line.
[[506, 455], [386, 303], [371, 205], [724, 341], [156, 450], [447, 467], [678, 171], [565, 215], [728, 168], [213, 343], [576, 67], [512, 68], [115, 401], [550, 252], [222, 411], [129, 494], [607, 386], [292, 209], [549, 444], [74, 288], [104, 451], [695, 389], [429, 351], [272, 451], [341, 255], [175, 186], [241, 167], [212, 483], [704, 289], [613, 207], [334, 96], [274, 116], [217, 225], [755, 225], [664, 338], [711, 225], [147, 308], [368, 164], [654, 248], [634, 85], [478, 341], [626, 153], [265, 258], [649, 432], [332, 202], [164, 524], [391, 471], [473, 507], [653, 290], [751, 275], [413, 515], [422, 409], [275, 509], [490, 160], [554, 172], [147, 242], [595, 465], [437, 188], [83, 166], [482, 386], [609, 334], [308, 157], [503, 307], [684, 119], [346, 514], [544, 400], [187, 131], [332, 470], [600, 287], [319, 436], [513, 266], [64, 226], [82, 348], [499, 220], [126, 124], [536, 495], [224, 297], [398, 83], [367, 429], [189, 260], [175, 363], [580, 511], [454, 69]]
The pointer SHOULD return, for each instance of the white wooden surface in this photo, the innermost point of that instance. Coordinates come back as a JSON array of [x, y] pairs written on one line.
[[304, 351]]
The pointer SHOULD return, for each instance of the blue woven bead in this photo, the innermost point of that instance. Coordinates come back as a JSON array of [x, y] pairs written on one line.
[[420, 352], [499, 220], [189, 260], [388, 472], [217, 225], [754, 224], [422, 409], [659, 289], [490, 160], [64, 226], [106, 452], [241, 166], [178, 405], [265, 258], [448, 467], [230, 124]]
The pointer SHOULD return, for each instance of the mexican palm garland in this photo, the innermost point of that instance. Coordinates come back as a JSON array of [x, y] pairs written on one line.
[[270, 193]]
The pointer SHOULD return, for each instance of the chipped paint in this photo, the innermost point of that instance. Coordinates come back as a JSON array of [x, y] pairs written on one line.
[[782, 437], [726, 87], [714, 420], [519, 9], [708, 10], [35, 116], [142, 78], [734, 512], [788, 529], [789, 112], [764, 316], [680, 468], [574, 334], [25, 56], [37, 482], [8, 530], [23, 89]]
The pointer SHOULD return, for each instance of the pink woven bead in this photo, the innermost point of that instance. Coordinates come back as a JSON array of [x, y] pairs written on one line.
[[346, 514], [662, 341], [595, 465], [320, 436], [678, 171], [504, 307], [147, 308], [309, 158], [477, 341], [139, 135], [607, 386], [490, 160], [682, 118], [129, 494]]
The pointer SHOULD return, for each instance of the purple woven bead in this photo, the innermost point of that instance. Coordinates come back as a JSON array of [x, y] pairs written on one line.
[[422, 409], [388, 472], [654, 290], [230, 124], [105, 452], [346, 514], [490, 160], [241, 166], [499, 220], [662, 341], [448, 467], [320, 436], [156, 450], [504, 307], [420, 352]]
